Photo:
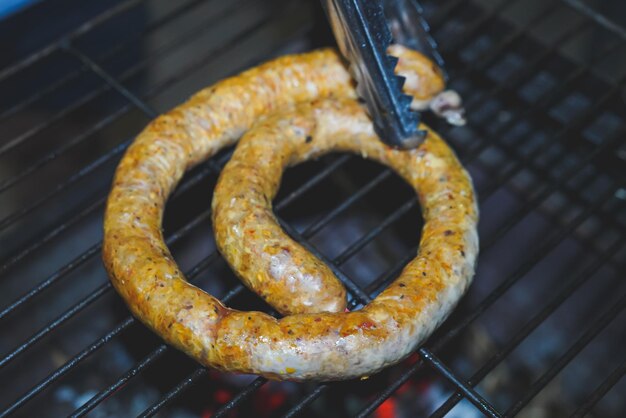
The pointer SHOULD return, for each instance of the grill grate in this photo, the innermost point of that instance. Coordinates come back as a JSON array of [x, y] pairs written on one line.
[[544, 84]]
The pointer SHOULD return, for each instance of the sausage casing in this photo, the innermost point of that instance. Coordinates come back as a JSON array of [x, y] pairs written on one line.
[[297, 346]]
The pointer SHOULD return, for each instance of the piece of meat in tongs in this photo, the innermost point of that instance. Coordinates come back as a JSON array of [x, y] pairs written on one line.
[[364, 30]]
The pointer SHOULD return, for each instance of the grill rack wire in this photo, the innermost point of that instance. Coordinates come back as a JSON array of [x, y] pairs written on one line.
[[606, 206]]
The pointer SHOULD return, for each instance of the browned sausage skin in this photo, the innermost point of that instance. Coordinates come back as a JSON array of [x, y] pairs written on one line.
[[323, 346], [341, 346]]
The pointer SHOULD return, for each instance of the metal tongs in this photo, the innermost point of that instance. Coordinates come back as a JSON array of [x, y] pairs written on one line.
[[364, 29]]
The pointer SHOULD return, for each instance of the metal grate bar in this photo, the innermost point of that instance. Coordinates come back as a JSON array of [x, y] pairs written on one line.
[[564, 133], [62, 45], [543, 104], [599, 18], [594, 208], [540, 252], [93, 296], [473, 396], [488, 57], [12, 219], [585, 116], [533, 203], [58, 373], [387, 392], [258, 382], [173, 394], [170, 81], [597, 326], [92, 348], [195, 179], [601, 390], [350, 251], [51, 326], [67, 146], [184, 187], [468, 319], [473, 28], [59, 188], [50, 235], [440, 17], [62, 272], [373, 288], [568, 189], [104, 56], [390, 219], [153, 356], [322, 174], [322, 388], [120, 148], [530, 69], [438, 345], [240, 397], [493, 54], [101, 396], [510, 150], [81, 30], [41, 93], [385, 279], [307, 400], [554, 186], [111, 82], [528, 160], [377, 286], [596, 248], [107, 286], [543, 250], [576, 125], [537, 255], [323, 220], [565, 187], [547, 99], [24, 136], [556, 301], [309, 231], [318, 391], [87, 255], [81, 174]]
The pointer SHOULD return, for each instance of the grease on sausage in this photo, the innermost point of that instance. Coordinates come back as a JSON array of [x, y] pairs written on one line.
[[321, 346]]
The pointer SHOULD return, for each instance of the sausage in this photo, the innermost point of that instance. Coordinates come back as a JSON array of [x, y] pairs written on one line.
[[343, 345], [320, 346], [425, 81]]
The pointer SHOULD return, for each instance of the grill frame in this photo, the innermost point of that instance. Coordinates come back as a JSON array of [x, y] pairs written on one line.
[[464, 388]]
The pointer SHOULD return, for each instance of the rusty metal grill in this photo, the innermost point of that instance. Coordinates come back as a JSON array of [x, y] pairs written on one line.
[[541, 331]]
